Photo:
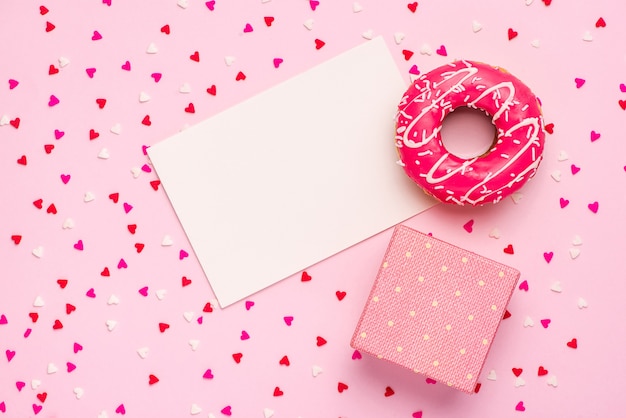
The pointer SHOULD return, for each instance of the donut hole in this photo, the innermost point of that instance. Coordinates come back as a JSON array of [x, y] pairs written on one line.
[[468, 133]]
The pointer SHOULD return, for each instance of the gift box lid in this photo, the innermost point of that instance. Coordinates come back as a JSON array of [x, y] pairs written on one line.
[[434, 308]]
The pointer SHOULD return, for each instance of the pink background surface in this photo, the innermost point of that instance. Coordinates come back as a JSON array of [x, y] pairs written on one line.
[[109, 370]]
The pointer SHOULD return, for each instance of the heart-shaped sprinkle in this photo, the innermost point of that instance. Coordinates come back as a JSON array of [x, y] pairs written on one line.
[[244, 335], [319, 44], [575, 169], [573, 343], [96, 36], [110, 324], [195, 56], [356, 355], [151, 49], [77, 348], [579, 82], [582, 303], [389, 392], [600, 23], [407, 54], [320, 341], [476, 26], [50, 27], [574, 253], [545, 322], [65, 178], [556, 175], [52, 368], [38, 303], [442, 51], [517, 371], [492, 375], [278, 392], [563, 202], [195, 409], [248, 28], [528, 322], [512, 34], [556, 287], [468, 226], [341, 387], [277, 62], [143, 352], [593, 207], [249, 304], [91, 293], [594, 136], [237, 357], [70, 367], [542, 371], [520, 406], [53, 101], [10, 354], [552, 381], [509, 249], [340, 295], [120, 410], [519, 382], [288, 320], [314, 4], [412, 6], [548, 256], [79, 392], [398, 37], [208, 374], [268, 20]]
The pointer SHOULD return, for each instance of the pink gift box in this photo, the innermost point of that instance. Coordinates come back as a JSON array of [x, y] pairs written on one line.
[[434, 308]]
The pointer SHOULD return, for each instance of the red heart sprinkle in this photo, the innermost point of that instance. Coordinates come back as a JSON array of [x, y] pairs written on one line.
[[69, 308], [152, 379], [240, 76], [341, 387], [163, 326], [517, 372], [319, 44], [195, 56], [190, 108], [38, 203], [146, 120], [277, 391], [512, 34], [412, 6], [42, 397], [48, 148], [52, 209], [105, 272], [389, 392], [268, 20], [340, 295], [207, 308], [155, 184], [165, 29], [305, 277], [186, 281], [93, 134], [212, 90], [43, 10], [22, 160], [114, 197], [468, 226], [139, 247], [16, 239], [547, 2], [509, 249], [49, 27], [542, 371], [573, 343], [600, 23], [237, 357], [320, 341], [16, 122], [407, 54], [52, 70], [622, 104], [132, 228], [34, 316], [62, 283], [57, 324], [284, 361], [101, 103]]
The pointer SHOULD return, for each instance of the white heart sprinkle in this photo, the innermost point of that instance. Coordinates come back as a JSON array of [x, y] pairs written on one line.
[[185, 88], [160, 294], [517, 196], [229, 59], [494, 233], [369, 34], [104, 154], [398, 37], [426, 50], [552, 381], [63, 62], [195, 409], [519, 382], [268, 413], [144, 97], [587, 36], [38, 252], [188, 316], [113, 300], [582, 303], [476, 26], [4, 120], [210, 414], [316, 370], [103, 414], [143, 352], [556, 175], [167, 241], [111, 324], [356, 8], [38, 303], [413, 77], [183, 4], [556, 287], [528, 322], [492, 375], [308, 24], [52, 368], [68, 223], [574, 252], [529, 2], [152, 48], [194, 344], [535, 43], [135, 171], [562, 156], [265, 1], [89, 196], [35, 383], [79, 392], [116, 129], [577, 240]]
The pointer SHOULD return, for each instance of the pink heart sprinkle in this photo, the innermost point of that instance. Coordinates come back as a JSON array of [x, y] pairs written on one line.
[[210, 5], [593, 207], [120, 410], [523, 286], [13, 84], [37, 408], [58, 134], [356, 355], [226, 410], [208, 374], [277, 62], [417, 414], [579, 82], [65, 178], [96, 36], [27, 332], [107, 2], [183, 254], [144, 149], [520, 406], [146, 168], [414, 70], [77, 348], [20, 385], [53, 101], [3, 407], [3, 320], [288, 320], [143, 291], [563, 202], [469, 226], [70, 367], [126, 66], [548, 256], [79, 245], [595, 136], [622, 87], [314, 4], [127, 207], [431, 381], [122, 264], [244, 335], [247, 28], [442, 51], [91, 293], [545, 322], [249, 304], [90, 72], [575, 169], [10, 354], [156, 77], [199, 320]]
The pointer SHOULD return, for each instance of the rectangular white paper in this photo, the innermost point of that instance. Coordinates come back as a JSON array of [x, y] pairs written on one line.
[[293, 175]]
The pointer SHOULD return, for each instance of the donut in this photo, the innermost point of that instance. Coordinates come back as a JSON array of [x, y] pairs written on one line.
[[513, 157]]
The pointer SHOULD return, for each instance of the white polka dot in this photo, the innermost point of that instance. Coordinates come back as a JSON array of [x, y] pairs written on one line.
[[399, 349], [469, 376], [435, 303], [408, 254], [363, 335], [428, 245], [412, 313], [501, 274], [375, 299], [398, 289], [485, 341], [464, 260], [435, 363], [494, 307], [457, 293], [462, 351], [385, 265], [481, 283], [448, 327], [470, 317], [420, 279], [390, 323], [444, 268], [426, 337]]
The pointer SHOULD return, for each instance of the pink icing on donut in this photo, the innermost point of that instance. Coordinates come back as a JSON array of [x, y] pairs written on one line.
[[509, 163]]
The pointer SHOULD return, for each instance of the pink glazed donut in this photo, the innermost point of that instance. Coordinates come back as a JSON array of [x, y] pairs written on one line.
[[510, 162]]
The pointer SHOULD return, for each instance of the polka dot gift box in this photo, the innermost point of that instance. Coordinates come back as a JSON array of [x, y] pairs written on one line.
[[434, 308]]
